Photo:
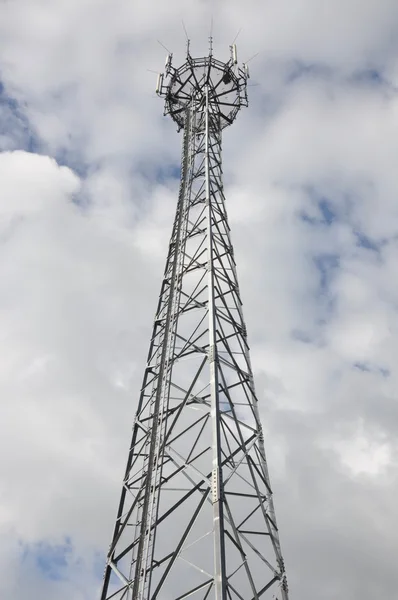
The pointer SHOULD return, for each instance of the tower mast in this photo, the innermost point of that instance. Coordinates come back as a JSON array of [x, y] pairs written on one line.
[[196, 516]]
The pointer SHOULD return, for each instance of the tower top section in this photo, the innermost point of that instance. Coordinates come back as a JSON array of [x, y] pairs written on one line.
[[224, 83]]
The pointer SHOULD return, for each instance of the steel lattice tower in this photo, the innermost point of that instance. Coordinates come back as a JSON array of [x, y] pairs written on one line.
[[196, 516]]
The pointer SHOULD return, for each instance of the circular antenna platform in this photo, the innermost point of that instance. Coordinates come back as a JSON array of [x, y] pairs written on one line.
[[224, 82]]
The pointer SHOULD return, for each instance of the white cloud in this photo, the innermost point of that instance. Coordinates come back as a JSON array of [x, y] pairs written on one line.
[[361, 455], [40, 184], [65, 311]]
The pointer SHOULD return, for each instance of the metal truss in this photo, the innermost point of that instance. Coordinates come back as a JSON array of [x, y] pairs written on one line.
[[196, 517]]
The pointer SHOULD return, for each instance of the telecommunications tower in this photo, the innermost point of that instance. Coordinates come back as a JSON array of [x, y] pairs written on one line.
[[196, 517]]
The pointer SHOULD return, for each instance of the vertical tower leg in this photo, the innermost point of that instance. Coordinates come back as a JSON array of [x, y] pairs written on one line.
[[220, 578]]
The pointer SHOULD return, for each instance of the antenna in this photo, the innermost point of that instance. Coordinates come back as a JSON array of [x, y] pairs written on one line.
[[167, 65], [234, 54], [185, 29], [211, 37], [187, 37], [236, 37], [163, 46], [159, 83], [251, 58]]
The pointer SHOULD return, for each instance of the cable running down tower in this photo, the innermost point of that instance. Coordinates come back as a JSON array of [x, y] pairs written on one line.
[[196, 517]]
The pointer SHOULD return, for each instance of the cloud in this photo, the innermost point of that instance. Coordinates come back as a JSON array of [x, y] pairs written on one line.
[[70, 348], [311, 187]]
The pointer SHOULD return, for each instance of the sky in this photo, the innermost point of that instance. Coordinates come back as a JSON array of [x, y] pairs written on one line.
[[88, 185]]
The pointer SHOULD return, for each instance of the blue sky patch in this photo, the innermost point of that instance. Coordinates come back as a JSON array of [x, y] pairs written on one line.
[[372, 77], [369, 368], [166, 172], [299, 70], [16, 132], [74, 161], [326, 265], [326, 213], [328, 216], [366, 242], [51, 560]]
